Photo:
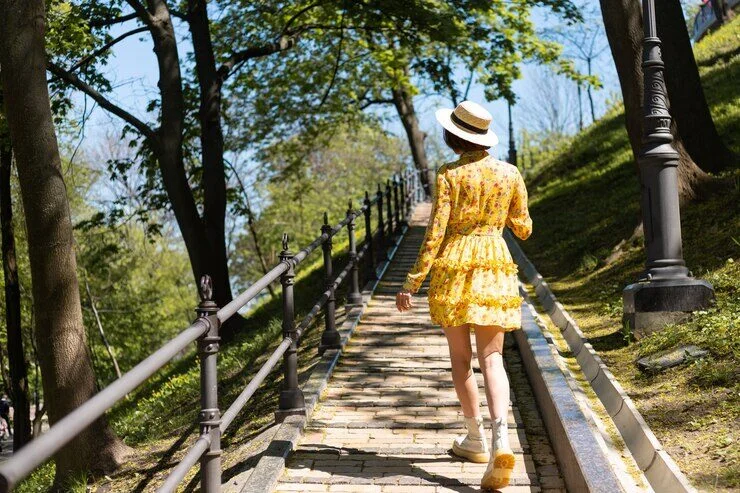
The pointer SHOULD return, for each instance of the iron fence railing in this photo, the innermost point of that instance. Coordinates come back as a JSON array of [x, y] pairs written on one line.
[[401, 192]]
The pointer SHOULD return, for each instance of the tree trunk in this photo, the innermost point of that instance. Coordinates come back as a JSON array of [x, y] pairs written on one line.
[[404, 103], [68, 379], [212, 152], [99, 322], [580, 107], [204, 241], [720, 10], [16, 357], [623, 25], [688, 105], [590, 95]]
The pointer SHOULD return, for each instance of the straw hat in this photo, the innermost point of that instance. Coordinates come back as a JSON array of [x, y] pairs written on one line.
[[469, 121]]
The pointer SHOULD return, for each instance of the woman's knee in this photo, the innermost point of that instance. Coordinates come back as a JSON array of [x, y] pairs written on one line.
[[461, 360], [493, 359]]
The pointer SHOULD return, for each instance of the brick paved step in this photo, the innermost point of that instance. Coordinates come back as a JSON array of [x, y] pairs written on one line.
[[406, 438], [405, 413], [435, 378], [420, 361], [400, 404], [320, 451], [376, 368], [423, 395], [400, 423]]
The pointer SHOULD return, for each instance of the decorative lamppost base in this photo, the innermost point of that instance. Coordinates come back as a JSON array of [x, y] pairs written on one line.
[[650, 305]]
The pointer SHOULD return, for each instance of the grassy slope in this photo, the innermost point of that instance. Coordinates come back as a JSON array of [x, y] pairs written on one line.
[[584, 201]]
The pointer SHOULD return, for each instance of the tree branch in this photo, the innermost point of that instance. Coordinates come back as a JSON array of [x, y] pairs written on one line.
[[371, 102], [105, 103], [336, 62], [282, 44], [179, 15], [141, 11], [115, 20], [105, 47], [298, 14]]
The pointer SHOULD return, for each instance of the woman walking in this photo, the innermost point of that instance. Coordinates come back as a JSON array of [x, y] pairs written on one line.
[[474, 286]]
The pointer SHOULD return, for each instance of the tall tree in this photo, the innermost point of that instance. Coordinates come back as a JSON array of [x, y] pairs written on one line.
[[623, 23], [68, 379], [168, 143], [19, 392], [689, 107], [162, 148], [584, 42]]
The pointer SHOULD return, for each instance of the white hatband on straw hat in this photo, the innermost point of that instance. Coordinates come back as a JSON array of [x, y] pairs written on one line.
[[469, 121]]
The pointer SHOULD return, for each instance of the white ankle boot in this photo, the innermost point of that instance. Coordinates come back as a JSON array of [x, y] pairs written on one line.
[[501, 464], [473, 446]]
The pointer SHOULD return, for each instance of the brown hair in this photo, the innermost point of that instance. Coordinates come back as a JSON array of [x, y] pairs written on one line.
[[461, 145]]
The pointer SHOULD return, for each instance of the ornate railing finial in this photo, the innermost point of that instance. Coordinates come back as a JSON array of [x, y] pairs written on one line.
[[206, 288], [285, 241]]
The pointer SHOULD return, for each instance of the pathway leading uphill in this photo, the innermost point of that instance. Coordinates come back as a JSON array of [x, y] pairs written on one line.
[[388, 417]]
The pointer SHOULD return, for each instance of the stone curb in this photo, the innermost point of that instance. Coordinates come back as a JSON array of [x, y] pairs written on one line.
[[582, 461], [265, 475], [659, 468]]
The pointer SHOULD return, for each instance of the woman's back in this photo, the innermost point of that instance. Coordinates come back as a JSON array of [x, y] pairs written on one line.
[[481, 189]]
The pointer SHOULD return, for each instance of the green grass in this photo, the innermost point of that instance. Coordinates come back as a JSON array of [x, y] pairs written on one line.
[[584, 203]]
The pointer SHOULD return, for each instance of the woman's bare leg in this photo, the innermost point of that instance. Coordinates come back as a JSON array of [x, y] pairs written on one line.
[[489, 343], [461, 355]]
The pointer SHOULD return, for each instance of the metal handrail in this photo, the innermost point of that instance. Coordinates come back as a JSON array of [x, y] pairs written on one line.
[[204, 330]]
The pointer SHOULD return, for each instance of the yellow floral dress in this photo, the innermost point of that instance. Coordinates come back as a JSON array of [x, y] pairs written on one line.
[[473, 277]]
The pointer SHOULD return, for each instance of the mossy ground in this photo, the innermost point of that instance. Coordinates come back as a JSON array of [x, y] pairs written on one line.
[[584, 202]]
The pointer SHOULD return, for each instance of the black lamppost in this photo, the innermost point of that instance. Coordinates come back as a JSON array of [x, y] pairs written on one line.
[[665, 292], [512, 143]]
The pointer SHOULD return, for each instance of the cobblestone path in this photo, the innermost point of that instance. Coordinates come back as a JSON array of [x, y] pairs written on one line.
[[388, 417]]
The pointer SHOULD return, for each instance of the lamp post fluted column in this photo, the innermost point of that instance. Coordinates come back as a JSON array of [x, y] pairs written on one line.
[[665, 291], [512, 141]]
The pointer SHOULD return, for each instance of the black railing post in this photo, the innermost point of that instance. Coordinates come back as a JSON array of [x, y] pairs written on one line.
[[354, 297], [381, 226], [210, 416], [330, 339], [419, 187], [404, 200], [412, 195], [389, 220], [291, 397], [396, 215], [369, 234]]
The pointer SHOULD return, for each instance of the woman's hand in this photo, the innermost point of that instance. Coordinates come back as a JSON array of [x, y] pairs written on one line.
[[403, 300]]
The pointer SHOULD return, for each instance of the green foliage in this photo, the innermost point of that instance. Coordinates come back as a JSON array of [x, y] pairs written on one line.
[[301, 182], [142, 288]]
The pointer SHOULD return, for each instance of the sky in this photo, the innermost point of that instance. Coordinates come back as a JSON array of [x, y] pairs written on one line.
[[133, 71]]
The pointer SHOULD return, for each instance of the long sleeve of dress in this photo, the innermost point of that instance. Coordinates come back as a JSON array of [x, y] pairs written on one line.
[[518, 217], [433, 237]]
